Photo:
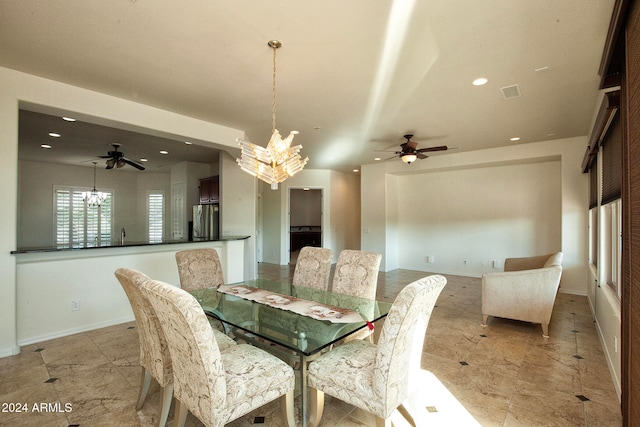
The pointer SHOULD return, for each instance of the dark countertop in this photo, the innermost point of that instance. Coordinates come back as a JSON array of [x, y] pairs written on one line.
[[126, 244], [294, 229]]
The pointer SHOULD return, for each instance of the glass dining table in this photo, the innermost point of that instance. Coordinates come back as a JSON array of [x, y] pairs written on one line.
[[293, 336]]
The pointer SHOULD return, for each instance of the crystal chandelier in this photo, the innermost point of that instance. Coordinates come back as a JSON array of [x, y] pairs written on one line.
[[94, 198], [279, 160]]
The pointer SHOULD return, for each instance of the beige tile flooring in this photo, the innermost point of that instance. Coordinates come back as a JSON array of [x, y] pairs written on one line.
[[506, 374]]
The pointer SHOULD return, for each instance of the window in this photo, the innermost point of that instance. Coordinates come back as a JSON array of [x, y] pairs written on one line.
[[78, 224], [155, 208], [593, 236], [612, 245]]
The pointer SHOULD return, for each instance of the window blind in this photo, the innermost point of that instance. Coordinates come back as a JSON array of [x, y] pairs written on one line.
[[156, 216], [612, 162]]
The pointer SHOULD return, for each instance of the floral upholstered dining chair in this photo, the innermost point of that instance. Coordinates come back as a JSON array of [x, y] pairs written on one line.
[[378, 378], [215, 386], [356, 274], [154, 353], [155, 358], [313, 268], [200, 269]]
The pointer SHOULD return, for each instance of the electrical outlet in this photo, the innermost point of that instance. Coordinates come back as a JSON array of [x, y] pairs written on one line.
[[75, 305]]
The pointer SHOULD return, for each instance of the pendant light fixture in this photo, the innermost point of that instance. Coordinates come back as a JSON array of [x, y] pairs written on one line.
[[279, 160], [94, 198]]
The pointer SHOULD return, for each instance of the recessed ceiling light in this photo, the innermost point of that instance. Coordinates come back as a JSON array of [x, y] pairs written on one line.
[[515, 138], [480, 81], [356, 170], [69, 119], [377, 158], [54, 135], [295, 132], [45, 146], [164, 152], [188, 142], [144, 160]]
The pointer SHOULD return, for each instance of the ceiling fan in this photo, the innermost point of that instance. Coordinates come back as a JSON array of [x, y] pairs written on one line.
[[410, 151], [117, 159]]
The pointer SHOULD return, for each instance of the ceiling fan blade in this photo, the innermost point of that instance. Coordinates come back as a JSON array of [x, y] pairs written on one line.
[[134, 164], [421, 156], [438, 148]]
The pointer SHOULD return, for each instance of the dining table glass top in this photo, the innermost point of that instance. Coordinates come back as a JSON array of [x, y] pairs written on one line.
[[298, 332]]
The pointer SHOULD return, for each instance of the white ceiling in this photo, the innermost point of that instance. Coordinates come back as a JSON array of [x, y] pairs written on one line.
[[352, 76]]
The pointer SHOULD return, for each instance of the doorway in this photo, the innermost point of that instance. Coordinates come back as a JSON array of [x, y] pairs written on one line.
[[305, 220]]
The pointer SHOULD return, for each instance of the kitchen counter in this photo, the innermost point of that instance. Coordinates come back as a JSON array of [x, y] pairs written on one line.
[[117, 244]]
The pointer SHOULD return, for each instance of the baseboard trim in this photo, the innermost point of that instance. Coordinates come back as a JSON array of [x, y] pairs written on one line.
[[78, 330]]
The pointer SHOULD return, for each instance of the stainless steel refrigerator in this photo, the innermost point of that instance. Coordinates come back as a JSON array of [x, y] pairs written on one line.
[[206, 221]]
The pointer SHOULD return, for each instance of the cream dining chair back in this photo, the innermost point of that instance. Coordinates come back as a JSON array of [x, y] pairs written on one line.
[[199, 269], [154, 353], [216, 387], [313, 268], [356, 274], [379, 377]]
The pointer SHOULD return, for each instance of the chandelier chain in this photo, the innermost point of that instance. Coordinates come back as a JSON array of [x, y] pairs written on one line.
[[273, 105]]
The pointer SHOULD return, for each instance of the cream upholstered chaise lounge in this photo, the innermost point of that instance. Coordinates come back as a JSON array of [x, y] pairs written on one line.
[[525, 291]]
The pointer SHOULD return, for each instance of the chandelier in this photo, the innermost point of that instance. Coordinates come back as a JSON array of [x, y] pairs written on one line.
[[94, 198], [279, 160]]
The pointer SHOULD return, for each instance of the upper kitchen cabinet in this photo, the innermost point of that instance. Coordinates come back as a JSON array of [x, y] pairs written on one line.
[[210, 190]]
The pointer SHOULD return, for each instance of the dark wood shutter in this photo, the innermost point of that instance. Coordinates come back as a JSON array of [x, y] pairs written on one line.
[[593, 187], [631, 221], [612, 162]]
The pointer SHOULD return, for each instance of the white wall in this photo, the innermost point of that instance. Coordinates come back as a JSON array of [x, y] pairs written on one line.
[[238, 201], [345, 212], [270, 228], [478, 215], [480, 206], [306, 208], [606, 309], [340, 213], [18, 89], [48, 282]]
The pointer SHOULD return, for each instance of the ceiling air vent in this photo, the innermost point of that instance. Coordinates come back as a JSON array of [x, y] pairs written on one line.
[[510, 91]]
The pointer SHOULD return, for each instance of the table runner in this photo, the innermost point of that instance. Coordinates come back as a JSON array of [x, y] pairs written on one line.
[[301, 306]]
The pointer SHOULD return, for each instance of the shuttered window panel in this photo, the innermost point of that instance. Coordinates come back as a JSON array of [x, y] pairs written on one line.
[[78, 224], [155, 208]]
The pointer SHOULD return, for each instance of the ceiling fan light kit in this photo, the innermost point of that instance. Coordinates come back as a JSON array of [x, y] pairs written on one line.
[[409, 158], [410, 152], [279, 160], [117, 159]]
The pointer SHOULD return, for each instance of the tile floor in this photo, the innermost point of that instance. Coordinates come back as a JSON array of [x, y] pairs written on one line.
[[506, 374]]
